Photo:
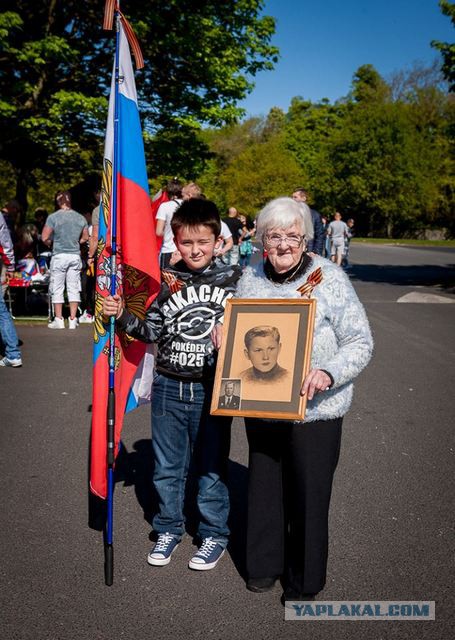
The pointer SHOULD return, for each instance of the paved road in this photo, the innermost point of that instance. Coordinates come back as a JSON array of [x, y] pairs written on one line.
[[392, 514]]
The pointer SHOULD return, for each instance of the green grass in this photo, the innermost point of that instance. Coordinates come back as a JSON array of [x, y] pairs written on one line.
[[31, 319], [402, 241]]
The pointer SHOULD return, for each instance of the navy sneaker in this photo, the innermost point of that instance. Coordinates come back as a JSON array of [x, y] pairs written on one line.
[[161, 553], [208, 555]]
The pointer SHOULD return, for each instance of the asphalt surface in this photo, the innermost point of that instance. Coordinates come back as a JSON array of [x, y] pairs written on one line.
[[392, 508]]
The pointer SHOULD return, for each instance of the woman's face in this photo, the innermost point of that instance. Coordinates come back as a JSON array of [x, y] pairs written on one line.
[[284, 247]]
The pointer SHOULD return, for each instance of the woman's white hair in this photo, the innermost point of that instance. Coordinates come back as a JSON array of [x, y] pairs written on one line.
[[283, 213]]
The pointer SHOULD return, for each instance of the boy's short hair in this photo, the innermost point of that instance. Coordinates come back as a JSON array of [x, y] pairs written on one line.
[[196, 212], [261, 332]]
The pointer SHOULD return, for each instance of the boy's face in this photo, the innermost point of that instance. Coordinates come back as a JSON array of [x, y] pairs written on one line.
[[263, 353], [196, 246]]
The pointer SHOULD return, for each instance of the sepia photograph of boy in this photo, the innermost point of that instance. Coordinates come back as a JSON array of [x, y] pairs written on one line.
[[262, 347]]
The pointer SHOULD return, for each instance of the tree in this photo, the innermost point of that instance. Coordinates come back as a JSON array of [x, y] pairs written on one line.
[[368, 86], [263, 171], [385, 171], [200, 57], [447, 49], [308, 129]]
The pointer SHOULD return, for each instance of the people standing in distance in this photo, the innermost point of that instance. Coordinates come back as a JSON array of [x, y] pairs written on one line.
[[338, 233], [350, 234], [326, 246], [65, 230], [235, 227], [246, 246], [164, 218], [191, 190], [316, 243], [12, 357]]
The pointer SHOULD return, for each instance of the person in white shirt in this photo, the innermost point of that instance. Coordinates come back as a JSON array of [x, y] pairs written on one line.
[[163, 221]]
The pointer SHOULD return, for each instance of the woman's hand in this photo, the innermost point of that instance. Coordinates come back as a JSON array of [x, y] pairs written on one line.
[[217, 336], [113, 306], [315, 382]]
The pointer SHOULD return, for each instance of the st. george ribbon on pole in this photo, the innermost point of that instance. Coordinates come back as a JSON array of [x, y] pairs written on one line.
[[109, 548]]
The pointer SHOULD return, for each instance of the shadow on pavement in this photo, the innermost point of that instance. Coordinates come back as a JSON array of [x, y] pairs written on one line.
[[238, 483], [424, 275], [135, 468]]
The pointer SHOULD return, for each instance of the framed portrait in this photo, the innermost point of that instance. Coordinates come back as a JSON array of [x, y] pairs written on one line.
[[264, 358]]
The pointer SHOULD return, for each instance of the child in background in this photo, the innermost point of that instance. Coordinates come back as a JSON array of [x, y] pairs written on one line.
[[191, 301]]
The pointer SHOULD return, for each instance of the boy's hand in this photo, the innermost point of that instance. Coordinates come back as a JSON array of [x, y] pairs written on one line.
[[176, 257], [113, 306], [217, 336]]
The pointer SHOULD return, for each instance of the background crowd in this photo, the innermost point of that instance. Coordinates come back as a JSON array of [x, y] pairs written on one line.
[[59, 250]]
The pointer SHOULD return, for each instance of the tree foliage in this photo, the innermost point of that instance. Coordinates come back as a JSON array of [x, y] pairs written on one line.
[[201, 58], [447, 49], [382, 155]]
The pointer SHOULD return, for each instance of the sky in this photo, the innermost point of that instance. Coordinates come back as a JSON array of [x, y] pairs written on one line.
[[323, 42]]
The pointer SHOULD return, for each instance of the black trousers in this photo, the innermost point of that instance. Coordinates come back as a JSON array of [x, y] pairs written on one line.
[[291, 468]]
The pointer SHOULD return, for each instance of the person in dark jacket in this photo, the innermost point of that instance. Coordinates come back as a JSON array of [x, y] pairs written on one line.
[[315, 244], [191, 301]]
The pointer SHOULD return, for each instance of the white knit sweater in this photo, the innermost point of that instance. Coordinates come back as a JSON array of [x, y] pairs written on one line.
[[342, 343]]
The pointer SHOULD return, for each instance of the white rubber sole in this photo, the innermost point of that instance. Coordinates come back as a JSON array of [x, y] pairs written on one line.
[[159, 562], [202, 566]]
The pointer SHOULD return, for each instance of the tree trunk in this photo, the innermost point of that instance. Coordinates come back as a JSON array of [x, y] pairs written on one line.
[[22, 182], [389, 228]]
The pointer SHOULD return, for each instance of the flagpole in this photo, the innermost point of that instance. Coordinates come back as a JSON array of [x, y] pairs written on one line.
[[109, 548]]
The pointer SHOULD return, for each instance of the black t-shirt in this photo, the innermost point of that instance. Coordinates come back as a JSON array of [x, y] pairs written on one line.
[[235, 227]]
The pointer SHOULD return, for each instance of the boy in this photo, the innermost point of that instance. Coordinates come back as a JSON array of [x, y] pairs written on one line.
[[191, 301], [262, 348]]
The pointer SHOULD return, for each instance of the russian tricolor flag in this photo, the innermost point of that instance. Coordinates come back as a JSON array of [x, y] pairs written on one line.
[[137, 268]]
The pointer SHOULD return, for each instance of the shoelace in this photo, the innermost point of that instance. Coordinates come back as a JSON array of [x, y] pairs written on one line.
[[207, 548], [164, 539]]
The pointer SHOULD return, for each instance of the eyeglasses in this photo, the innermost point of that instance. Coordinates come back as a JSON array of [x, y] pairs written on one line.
[[274, 240]]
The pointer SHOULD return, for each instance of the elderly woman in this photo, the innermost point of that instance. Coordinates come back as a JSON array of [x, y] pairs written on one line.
[[292, 463]]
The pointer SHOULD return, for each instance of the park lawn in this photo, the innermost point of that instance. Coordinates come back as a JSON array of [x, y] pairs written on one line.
[[404, 241]]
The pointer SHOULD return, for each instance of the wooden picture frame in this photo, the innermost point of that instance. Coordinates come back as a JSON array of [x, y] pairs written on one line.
[[264, 358]]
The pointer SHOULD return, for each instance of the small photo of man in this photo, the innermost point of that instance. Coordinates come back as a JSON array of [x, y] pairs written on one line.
[[229, 394]]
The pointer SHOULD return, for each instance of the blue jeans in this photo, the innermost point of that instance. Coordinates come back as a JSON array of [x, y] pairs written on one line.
[[8, 332], [182, 431]]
